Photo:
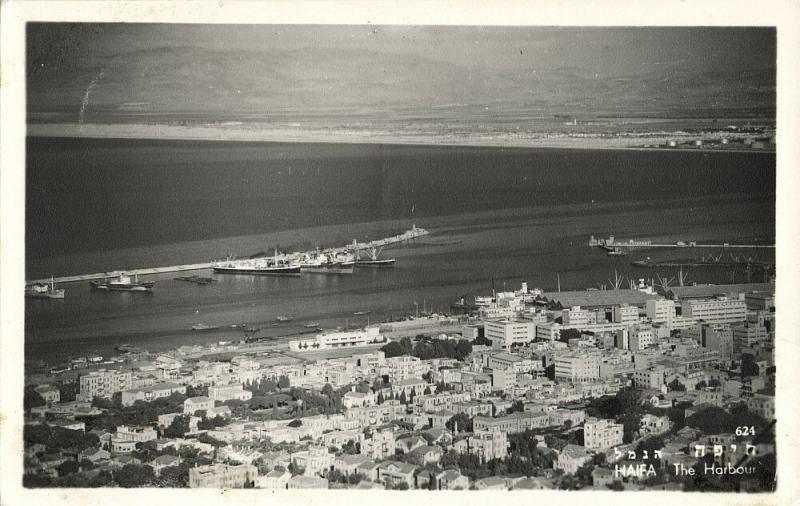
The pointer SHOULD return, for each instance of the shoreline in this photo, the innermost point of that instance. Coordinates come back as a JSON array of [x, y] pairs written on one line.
[[317, 136]]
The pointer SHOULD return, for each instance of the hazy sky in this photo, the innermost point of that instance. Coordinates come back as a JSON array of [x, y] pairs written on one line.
[[197, 68]]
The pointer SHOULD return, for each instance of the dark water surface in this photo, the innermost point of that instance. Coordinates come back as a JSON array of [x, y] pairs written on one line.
[[497, 216]]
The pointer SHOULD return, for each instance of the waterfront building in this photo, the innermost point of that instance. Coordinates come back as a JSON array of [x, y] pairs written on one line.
[[331, 340]]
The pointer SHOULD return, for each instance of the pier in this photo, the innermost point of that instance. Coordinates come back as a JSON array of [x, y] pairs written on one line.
[[611, 243], [408, 235]]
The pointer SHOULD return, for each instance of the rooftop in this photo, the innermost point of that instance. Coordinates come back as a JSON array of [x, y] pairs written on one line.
[[595, 298]]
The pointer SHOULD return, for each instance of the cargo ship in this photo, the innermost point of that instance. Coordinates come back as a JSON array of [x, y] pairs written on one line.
[[373, 261], [122, 283], [269, 266], [321, 263], [44, 291]]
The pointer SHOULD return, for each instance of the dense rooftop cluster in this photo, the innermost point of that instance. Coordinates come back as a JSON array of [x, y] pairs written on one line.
[[631, 389]]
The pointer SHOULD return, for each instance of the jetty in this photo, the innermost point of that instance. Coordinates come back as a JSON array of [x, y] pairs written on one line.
[[611, 244], [406, 236]]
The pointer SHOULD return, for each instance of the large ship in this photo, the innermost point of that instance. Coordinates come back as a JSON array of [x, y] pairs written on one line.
[[330, 263], [122, 283], [372, 260], [271, 266], [44, 291]]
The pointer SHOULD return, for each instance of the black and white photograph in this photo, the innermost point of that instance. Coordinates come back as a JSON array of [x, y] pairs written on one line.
[[399, 256]]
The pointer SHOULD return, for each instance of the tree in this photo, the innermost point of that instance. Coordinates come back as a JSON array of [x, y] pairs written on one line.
[[749, 366], [700, 385], [174, 477], [517, 406], [283, 382], [462, 420], [295, 423], [68, 467], [31, 398], [403, 399], [427, 391], [355, 478], [676, 386], [567, 334], [380, 399], [134, 475], [401, 486], [178, 427]]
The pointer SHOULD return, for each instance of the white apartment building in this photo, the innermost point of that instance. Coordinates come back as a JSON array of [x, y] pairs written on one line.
[[625, 314], [640, 337], [660, 310], [577, 316], [404, 367], [104, 384], [577, 368], [601, 434], [509, 332], [151, 393], [229, 392], [719, 310]]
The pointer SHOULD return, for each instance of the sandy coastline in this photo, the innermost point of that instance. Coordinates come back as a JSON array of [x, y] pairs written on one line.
[[259, 133]]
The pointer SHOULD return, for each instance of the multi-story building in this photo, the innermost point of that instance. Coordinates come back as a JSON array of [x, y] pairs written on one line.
[[376, 415], [650, 378], [601, 434], [151, 393], [222, 476], [640, 337], [49, 393], [575, 316], [488, 445], [229, 392], [716, 337], [661, 311], [316, 461], [404, 367], [506, 333], [577, 367], [194, 404], [103, 383], [380, 446], [763, 405], [513, 423], [625, 314], [718, 310], [571, 458], [746, 335]]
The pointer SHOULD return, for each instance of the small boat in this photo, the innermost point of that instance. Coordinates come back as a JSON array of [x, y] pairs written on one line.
[[311, 325], [617, 252], [203, 326], [284, 318], [44, 290], [361, 313]]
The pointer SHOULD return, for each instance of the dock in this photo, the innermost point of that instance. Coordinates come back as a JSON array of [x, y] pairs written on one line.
[[408, 235], [611, 243]]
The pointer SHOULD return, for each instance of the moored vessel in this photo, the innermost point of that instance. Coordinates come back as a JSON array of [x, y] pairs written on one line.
[[269, 266], [122, 283], [44, 290]]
